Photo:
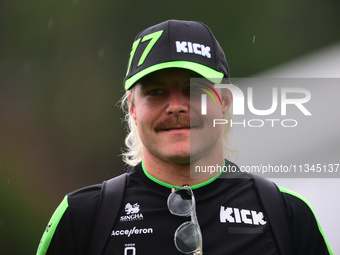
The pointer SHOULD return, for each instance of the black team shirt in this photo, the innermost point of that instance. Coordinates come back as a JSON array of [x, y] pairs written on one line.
[[229, 213]]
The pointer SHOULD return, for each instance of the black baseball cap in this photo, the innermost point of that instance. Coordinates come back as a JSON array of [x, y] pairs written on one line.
[[176, 44]]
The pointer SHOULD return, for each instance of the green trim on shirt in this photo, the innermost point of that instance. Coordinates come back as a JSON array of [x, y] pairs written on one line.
[[310, 207], [51, 227], [168, 185]]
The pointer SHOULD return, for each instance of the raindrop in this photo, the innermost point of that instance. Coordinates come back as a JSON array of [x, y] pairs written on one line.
[[50, 23], [28, 66], [101, 53], [253, 39]]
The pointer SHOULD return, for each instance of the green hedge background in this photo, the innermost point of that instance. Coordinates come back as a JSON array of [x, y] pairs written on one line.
[[62, 64]]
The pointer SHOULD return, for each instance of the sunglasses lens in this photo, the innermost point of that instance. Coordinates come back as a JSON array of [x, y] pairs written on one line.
[[180, 202], [188, 238]]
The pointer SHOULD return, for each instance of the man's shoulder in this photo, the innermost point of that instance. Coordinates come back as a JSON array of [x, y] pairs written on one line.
[[304, 223], [85, 197], [72, 220], [85, 191], [296, 204]]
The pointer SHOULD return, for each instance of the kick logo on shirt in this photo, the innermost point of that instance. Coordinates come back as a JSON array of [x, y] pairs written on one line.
[[236, 215], [132, 213]]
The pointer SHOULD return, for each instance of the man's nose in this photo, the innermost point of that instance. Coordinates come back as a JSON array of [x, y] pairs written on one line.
[[178, 102]]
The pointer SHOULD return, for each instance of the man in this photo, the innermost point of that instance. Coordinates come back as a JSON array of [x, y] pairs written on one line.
[[168, 139]]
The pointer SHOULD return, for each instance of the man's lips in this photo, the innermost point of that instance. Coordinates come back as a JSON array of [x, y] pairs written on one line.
[[175, 128]]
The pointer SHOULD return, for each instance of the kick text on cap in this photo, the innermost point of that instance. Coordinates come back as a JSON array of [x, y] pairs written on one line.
[[196, 48]]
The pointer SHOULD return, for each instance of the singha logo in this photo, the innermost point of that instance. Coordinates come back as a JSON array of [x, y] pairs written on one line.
[[129, 209]]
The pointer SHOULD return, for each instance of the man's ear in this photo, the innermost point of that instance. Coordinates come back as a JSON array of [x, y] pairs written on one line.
[[132, 109], [227, 98]]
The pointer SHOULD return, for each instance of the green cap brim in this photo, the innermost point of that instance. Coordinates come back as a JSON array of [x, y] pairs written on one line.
[[207, 72]]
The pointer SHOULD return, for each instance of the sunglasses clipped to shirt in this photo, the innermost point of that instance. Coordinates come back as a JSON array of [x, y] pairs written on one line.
[[188, 236]]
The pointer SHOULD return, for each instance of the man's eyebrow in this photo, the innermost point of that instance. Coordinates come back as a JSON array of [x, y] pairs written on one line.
[[152, 82]]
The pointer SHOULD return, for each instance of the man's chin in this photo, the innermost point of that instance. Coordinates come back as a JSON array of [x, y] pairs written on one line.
[[183, 158], [179, 159]]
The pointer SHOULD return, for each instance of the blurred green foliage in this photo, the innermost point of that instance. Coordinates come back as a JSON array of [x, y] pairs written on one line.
[[62, 65]]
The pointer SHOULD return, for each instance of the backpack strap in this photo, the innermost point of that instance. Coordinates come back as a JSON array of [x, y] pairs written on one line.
[[110, 201], [272, 201]]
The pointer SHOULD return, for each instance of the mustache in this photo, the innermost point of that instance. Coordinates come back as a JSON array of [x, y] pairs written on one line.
[[178, 121]]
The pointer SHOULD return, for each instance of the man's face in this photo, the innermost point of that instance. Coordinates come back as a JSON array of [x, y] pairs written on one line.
[[167, 119]]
